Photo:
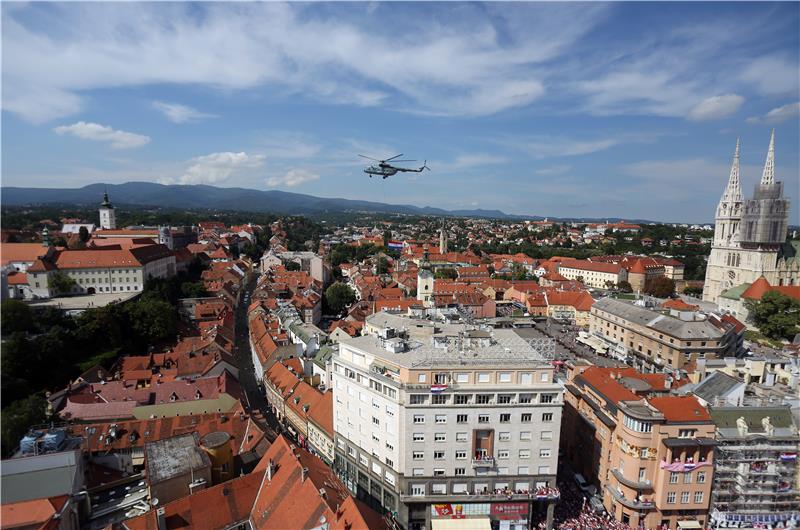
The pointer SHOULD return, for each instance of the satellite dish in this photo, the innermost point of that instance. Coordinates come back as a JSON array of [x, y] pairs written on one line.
[[322, 519], [154, 501]]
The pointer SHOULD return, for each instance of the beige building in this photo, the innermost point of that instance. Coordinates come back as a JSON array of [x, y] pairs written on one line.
[[653, 340], [599, 275], [649, 454]]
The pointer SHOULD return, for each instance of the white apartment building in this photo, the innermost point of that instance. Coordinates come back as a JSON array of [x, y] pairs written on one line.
[[595, 274], [435, 421]]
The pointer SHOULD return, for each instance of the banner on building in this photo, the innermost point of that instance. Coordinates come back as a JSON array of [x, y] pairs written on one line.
[[509, 510]]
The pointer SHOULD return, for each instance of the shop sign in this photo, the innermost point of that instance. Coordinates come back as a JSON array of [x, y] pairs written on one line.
[[509, 510], [459, 511]]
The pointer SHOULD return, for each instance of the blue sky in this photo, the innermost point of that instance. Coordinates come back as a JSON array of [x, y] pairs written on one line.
[[561, 109]]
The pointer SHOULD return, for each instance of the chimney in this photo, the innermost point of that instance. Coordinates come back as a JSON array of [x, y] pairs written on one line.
[[304, 474], [269, 470], [161, 519]]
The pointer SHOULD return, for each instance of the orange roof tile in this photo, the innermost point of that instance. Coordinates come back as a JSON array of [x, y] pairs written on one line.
[[680, 408]]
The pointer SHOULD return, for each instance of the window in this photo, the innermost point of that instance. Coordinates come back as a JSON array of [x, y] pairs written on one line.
[[671, 497], [439, 399], [638, 426], [389, 476], [524, 453], [544, 470], [546, 435], [643, 452], [483, 418], [440, 418], [461, 455], [389, 446], [418, 399], [547, 417], [418, 437], [544, 453], [686, 433], [362, 459], [418, 490], [417, 455], [439, 437], [526, 417], [460, 471], [504, 436], [376, 468], [421, 378], [504, 399], [673, 478], [698, 497], [461, 418], [503, 454], [417, 471], [687, 478], [419, 419], [545, 377], [462, 399], [438, 455], [502, 471], [642, 474], [440, 378], [483, 377], [526, 378], [461, 437], [526, 398], [462, 378], [547, 398], [438, 472], [351, 451], [505, 418], [701, 477], [504, 377], [684, 497], [523, 470], [483, 399], [376, 421]]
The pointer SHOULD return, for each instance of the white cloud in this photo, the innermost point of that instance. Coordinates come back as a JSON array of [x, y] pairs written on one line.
[[451, 62], [177, 113], [772, 75], [555, 147], [218, 167], [778, 114], [716, 107], [292, 178], [553, 170], [103, 133]]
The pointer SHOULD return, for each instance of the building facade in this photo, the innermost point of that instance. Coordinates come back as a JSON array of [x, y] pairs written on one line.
[[756, 477], [108, 216], [652, 340], [595, 274], [750, 234], [649, 454], [460, 417]]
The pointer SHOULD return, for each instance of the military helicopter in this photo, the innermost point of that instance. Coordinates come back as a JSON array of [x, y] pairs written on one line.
[[386, 170]]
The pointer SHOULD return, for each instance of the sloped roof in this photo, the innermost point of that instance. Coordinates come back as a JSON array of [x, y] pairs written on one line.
[[718, 384]]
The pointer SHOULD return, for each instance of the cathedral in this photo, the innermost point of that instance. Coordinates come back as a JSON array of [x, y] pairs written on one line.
[[750, 235]]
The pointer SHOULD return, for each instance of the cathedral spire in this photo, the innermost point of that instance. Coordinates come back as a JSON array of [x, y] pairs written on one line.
[[733, 193], [768, 177]]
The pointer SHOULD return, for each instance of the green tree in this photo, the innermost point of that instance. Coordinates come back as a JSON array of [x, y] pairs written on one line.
[[338, 296], [83, 234], [625, 286], [17, 419], [693, 291], [193, 289], [16, 316], [292, 266], [382, 267], [776, 315], [445, 273], [61, 282], [387, 236], [153, 320], [660, 287]]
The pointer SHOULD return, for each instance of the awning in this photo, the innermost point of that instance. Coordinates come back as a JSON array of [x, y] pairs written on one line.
[[689, 524], [475, 523]]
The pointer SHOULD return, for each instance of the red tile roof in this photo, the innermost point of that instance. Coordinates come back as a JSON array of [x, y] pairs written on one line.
[[680, 408], [21, 252], [761, 286], [34, 514]]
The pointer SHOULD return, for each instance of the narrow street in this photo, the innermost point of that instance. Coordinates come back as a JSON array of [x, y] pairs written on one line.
[[256, 403]]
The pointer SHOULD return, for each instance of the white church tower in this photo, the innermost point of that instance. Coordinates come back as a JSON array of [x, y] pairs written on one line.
[[750, 235], [108, 217], [425, 280]]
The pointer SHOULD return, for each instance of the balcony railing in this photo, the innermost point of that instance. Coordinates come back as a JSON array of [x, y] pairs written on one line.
[[486, 461], [639, 485], [636, 505]]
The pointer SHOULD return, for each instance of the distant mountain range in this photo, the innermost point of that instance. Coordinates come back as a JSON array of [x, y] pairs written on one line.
[[199, 196]]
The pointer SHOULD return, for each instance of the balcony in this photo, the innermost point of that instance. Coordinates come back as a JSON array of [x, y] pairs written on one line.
[[635, 484], [486, 461], [635, 505]]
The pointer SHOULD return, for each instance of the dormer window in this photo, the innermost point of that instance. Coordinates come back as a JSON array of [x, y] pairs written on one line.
[[173, 397]]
